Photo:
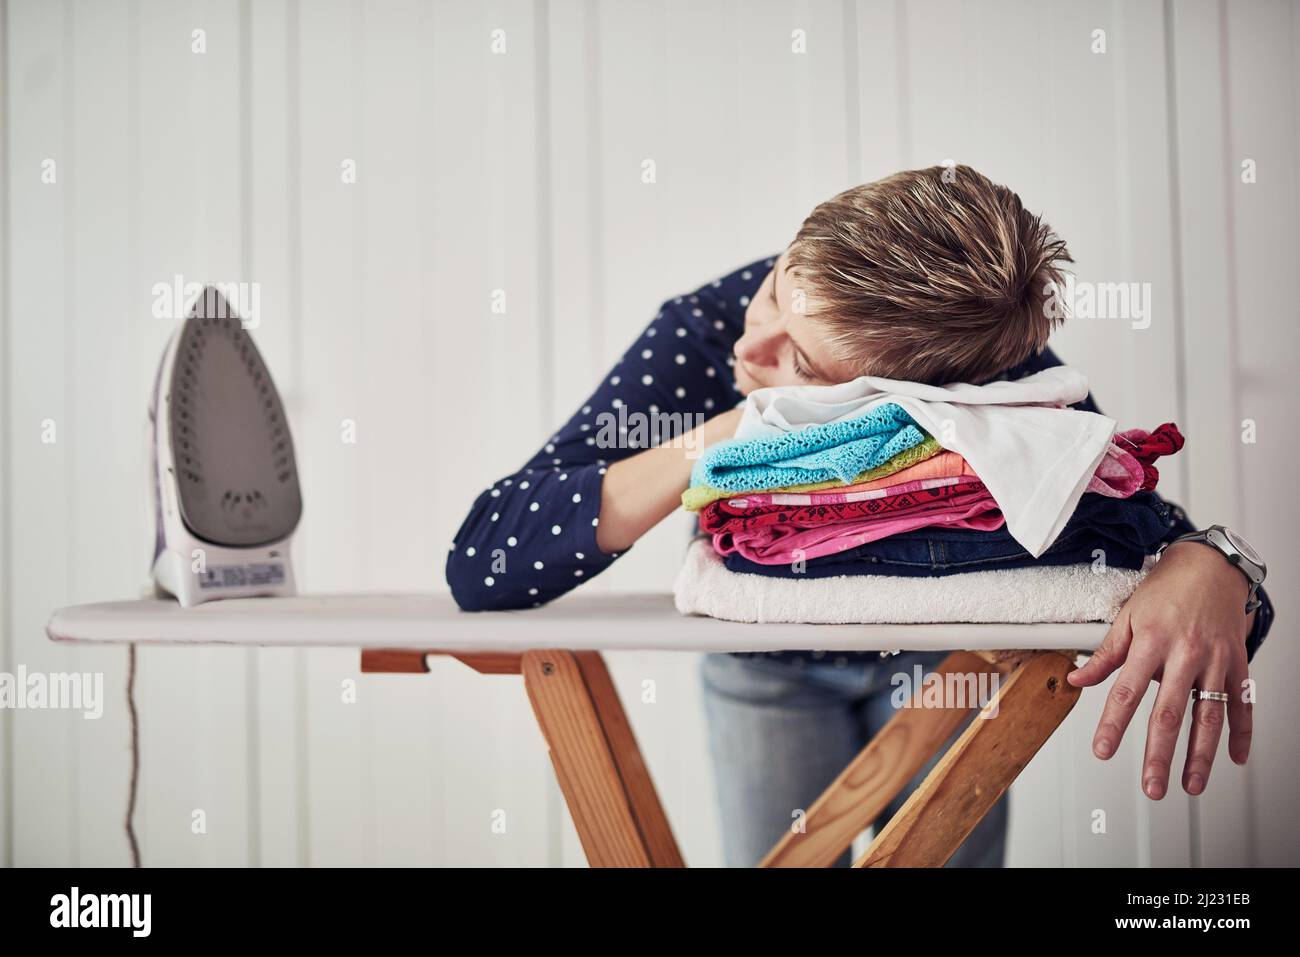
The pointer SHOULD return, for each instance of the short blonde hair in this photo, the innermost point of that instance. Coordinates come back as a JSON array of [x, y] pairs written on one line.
[[934, 275]]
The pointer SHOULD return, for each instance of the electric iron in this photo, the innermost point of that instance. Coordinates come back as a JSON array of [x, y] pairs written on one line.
[[225, 485]]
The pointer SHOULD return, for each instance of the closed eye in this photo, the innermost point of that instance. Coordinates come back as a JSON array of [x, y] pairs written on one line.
[[801, 372]]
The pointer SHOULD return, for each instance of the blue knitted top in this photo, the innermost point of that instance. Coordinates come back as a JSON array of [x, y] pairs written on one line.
[[544, 516], [820, 453]]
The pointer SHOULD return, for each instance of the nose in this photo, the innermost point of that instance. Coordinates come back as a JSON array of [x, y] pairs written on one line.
[[760, 345]]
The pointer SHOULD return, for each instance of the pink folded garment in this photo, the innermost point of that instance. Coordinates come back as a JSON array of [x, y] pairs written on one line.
[[785, 544], [1118, 475]]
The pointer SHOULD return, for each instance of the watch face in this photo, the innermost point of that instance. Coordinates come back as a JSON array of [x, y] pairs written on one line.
[[1243, 546]]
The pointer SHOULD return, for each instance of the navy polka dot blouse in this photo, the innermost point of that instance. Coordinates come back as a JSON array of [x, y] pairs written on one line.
[[531, 536], [540, 523]]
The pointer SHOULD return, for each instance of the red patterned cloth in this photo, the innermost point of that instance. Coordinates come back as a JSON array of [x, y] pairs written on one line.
[[722, 517], [1146, 447]]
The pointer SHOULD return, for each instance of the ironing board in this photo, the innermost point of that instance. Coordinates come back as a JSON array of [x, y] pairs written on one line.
[[605, 781]]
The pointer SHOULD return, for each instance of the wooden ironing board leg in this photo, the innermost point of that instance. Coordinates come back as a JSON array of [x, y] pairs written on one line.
[[600, 769], [871, 780], [1031, 703]]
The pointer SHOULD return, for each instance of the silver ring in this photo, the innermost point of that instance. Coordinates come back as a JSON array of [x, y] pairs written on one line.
[[1198, 694]]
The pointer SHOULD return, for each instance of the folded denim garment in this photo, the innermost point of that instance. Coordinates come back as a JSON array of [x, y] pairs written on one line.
[[1119, 532]]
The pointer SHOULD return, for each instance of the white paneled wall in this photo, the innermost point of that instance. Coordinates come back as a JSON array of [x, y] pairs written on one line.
[[521, 171]]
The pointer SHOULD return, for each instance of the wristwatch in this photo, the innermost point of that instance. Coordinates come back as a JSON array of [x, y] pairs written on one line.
[[1236, 550]]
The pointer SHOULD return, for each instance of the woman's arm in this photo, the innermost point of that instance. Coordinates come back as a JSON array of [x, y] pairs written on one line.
[[617, 467], [1184, 627], [639, 492], [1180, 523]]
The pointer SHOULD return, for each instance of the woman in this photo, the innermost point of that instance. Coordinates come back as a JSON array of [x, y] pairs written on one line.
[[919, 276]]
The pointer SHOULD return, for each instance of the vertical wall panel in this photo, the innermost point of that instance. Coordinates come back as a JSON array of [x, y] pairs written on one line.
[[1260, 50], [109, 550], [6, 475], [333, 539], [415, 433], [579, 289], [396, 454], [576, 239], [268, 95], [1149, 356], [1211, 376], [479, 233], [881, 99], [401, 340], [44, 741], [193, 702]]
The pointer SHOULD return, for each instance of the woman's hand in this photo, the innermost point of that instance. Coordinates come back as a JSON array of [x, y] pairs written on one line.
[[643, 489], [1184, 626]]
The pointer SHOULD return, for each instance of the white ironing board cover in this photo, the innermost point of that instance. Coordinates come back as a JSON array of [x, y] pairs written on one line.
[[603, 622]]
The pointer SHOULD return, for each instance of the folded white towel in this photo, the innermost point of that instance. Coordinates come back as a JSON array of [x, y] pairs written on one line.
[[1060, 593]]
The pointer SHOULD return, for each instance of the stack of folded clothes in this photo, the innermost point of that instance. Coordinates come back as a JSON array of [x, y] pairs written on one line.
[[1030, 511]]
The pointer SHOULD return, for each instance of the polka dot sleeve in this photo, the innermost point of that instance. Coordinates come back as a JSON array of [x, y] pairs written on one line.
[[531, 536]]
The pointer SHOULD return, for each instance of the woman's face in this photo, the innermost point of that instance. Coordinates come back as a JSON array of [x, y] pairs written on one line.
[[781, 345]]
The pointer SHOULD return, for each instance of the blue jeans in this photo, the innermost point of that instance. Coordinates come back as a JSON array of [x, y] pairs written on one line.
[[780, 733]]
